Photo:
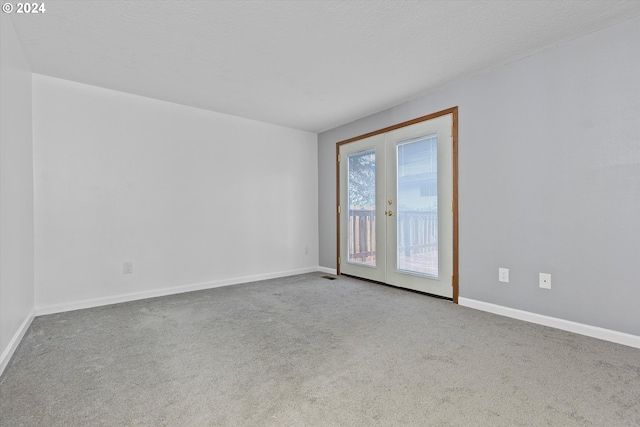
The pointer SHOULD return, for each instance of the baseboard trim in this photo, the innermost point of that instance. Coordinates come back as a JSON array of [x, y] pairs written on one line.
[[566, 325], [328, 270], [15, 341], [116, 299]]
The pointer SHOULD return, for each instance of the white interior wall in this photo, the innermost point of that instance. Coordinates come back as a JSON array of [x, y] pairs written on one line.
[[16, 194], [191, 197], [549, 179]]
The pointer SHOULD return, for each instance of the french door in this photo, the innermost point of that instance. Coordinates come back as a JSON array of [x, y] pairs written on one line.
[[396, 206]]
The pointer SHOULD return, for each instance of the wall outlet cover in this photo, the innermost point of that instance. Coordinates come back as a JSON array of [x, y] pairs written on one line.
[[545, 280], [503, 275], [127, 268]]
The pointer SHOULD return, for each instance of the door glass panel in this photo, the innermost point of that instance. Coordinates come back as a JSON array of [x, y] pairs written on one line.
[[417, 206], [362, 212]]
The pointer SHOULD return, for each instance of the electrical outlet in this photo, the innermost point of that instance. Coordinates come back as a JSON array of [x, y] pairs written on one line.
[[127, 268], [503, 274], [545, 280]]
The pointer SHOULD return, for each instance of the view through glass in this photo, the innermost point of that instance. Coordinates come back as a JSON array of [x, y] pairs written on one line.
[[362, 208], [417, 206]]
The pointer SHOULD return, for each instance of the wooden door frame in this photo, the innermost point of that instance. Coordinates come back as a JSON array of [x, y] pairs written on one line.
[[454, 114]]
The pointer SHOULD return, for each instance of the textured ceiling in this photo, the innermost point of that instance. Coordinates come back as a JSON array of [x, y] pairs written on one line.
[[310, 65]]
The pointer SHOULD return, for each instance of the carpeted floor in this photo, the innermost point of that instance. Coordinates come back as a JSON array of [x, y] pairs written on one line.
[[306, 351]]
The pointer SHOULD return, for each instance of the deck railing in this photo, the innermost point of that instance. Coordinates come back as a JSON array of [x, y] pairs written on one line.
[[362, 236], [417, 233]]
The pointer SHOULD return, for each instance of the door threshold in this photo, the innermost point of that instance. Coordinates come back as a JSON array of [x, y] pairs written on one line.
[[398, 287]]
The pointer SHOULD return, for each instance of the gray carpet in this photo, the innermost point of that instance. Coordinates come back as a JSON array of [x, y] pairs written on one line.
[[306, 351]]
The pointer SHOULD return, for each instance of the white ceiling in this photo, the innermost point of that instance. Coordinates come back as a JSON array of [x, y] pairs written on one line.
[[310, 65]]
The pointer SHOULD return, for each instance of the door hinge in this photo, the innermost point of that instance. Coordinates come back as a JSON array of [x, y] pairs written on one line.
[[339, 261], [338, 158], [451, 131], [339, 210]]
